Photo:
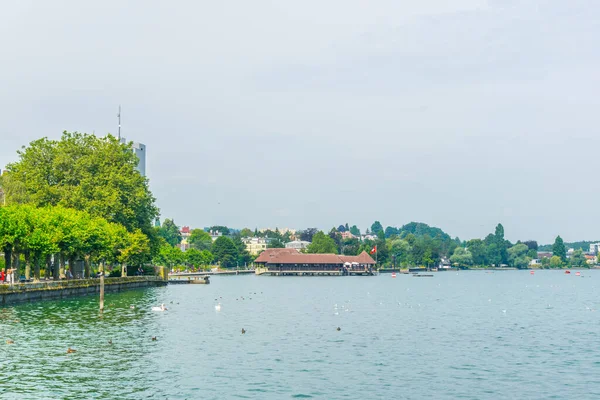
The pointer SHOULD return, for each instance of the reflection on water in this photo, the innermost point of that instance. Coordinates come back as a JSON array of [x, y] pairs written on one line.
[[471, 335]]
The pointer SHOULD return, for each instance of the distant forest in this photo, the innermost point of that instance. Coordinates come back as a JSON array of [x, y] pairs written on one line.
[[585, 246]]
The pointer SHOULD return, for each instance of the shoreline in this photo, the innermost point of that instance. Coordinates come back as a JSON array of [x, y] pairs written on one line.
[[25, 292]]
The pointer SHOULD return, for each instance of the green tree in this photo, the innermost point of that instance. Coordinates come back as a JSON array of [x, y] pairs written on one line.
[[556, 262], [225, 252], [322, 243], [578, 260], [170, 232], [84, 172], [200, 239], [354, 230], [276, 244], [376, 227], [517, 256], [462, 257], [246, 233], [478, 251], [559, 250], [194, 257]]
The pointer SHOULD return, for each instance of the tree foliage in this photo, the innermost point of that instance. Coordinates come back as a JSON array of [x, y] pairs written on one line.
[[170, 232], [200, 239], [322, 243], [559, 249]]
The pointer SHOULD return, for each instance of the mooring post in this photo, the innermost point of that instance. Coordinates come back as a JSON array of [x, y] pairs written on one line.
[[102, 288]]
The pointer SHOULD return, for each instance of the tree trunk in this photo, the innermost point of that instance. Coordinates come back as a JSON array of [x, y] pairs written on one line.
[[7, 258], [15, 264], [86, 266], [36, 270], [71, 267], [48, 266], [27, 265], [61, 267], [123, 269], [55, 267]]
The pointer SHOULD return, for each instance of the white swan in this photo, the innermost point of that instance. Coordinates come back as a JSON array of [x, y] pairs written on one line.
[[218, 307], [161, 308]]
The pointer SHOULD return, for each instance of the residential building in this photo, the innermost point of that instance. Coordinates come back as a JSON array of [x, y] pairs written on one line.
[[255, 245], [347, 235], [185, 235], [214, 235], [594, 247], [297, 244]]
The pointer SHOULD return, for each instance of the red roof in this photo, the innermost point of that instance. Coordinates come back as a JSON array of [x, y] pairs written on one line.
[[185, 229], [269, 254], [293, 256], [362, 258]]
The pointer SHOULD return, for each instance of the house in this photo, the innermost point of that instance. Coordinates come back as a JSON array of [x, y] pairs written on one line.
[[292, 262], [297, 244], [347, 235], [214, 235], [255, 245]]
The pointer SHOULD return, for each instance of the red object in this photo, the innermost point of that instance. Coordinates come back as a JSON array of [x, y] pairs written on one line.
[[393, 274], [567, 272], [532, 272], [2, 276], [578, 273], [373, 250]]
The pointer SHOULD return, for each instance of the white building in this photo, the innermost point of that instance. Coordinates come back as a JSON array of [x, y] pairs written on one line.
[[255, 245], [139, 150], [594, 247], [297, 244]]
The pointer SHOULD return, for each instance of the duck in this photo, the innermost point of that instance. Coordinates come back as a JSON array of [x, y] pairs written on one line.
[[161, 308], [10, 341], [154, 338], [109, 341], [132, 307], [338, 329], [243, 331], [70, 350]]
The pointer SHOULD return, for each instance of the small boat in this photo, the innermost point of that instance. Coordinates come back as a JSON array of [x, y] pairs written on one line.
[[532, 272], [393, 274], [578, 273], [567, 272]]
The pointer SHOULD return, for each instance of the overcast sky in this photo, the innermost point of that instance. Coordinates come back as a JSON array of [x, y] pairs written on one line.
[[460, 114]]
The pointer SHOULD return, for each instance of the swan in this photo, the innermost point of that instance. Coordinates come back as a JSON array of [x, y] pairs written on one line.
[[218, 307], [161, 308]]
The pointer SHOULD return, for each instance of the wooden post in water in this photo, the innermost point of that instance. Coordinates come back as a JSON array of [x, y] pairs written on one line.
[[101, 286]]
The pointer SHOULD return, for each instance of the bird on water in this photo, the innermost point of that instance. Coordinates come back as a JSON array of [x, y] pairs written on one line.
[[243, 331], [338, 329], [70, 350], [154, 338]]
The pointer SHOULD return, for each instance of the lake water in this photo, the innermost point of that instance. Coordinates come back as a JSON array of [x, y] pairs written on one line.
[[471, 335]]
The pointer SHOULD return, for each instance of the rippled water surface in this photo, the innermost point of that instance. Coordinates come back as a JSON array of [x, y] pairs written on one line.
[[472, 335]]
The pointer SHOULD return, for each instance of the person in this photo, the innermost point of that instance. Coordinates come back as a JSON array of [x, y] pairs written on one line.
[[140, 271], [69, 274], [2, 277], [11, 276]]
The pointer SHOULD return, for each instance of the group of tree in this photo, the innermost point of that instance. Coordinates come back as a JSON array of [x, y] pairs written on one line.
[[227, 251], [80, 177], [67, 234]]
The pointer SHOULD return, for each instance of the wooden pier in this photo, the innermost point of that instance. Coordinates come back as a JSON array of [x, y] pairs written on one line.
[[197, 279]]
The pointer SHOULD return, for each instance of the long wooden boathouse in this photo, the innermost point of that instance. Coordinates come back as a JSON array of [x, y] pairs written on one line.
[[282, 262]]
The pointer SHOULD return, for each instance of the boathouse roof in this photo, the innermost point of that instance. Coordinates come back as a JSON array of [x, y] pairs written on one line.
[[292, 256]]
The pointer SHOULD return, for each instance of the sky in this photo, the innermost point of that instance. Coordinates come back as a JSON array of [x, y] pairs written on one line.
[[460, 114]]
